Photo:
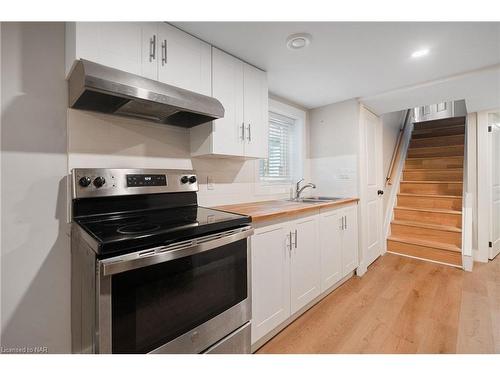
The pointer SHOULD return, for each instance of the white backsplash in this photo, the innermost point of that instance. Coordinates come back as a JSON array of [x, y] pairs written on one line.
[[105, 141]]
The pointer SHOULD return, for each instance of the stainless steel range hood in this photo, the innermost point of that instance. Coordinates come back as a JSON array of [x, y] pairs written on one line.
[[99, 88]]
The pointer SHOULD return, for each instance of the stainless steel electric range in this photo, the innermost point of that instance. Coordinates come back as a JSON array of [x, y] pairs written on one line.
[[153, 272]]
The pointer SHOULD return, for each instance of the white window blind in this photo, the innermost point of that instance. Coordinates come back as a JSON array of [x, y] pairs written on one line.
[[278, 167]]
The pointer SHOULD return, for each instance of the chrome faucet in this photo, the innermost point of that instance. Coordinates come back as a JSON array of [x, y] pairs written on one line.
[[299, 190]]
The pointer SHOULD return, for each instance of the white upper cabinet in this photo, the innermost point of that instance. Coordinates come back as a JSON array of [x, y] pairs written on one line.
[[227, 87], [255, 106], [115, 44], [184, 61], [153, 50], [242, 90]]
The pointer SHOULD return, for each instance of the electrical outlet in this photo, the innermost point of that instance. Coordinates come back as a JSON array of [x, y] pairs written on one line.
[[210, 183]]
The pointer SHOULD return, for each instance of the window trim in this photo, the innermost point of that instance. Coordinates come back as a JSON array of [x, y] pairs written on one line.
[[262, 187]]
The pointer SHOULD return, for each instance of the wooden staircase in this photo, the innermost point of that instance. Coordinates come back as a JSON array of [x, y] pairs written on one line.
[[427, 221]]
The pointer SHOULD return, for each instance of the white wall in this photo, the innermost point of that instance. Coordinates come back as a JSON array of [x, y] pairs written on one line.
[[334, 142], [391, 123], [35, 266], [480, 89]]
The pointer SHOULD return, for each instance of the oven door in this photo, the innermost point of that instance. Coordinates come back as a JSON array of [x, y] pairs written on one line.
[[176, 299]]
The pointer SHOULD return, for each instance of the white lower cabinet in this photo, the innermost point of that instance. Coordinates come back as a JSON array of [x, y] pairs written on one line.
[[270, 279], [293, 262], [304, 262]]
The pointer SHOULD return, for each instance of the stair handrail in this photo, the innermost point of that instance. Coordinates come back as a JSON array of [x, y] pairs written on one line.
[[395, 155], [467, 209]]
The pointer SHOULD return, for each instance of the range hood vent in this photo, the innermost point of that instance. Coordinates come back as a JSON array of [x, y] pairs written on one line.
[[95, 87]]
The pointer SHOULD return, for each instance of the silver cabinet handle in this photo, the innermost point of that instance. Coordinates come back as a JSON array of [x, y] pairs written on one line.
[[243, 131], [343, 225], [249, 133], [295, 238], [291, 243], [345, 228], [164, 52], [152, 48]]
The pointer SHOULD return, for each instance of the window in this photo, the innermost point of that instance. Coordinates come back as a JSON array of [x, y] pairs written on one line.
[[278, 168]]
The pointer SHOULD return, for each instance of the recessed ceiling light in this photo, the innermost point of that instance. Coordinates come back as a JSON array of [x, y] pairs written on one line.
[[298, 41], [420, 53]]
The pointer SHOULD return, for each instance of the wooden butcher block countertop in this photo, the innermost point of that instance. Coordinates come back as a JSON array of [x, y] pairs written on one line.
[[280, 209]]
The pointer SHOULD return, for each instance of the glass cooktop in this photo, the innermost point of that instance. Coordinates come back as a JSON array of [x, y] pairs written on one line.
[[128, 232]]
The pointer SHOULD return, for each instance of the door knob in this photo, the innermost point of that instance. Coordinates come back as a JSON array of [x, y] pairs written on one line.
[[380, 192]]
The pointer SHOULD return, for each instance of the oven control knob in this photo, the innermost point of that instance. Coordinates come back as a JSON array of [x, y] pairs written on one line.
[[99, 181], [184, 179], [192, 179], [84, 181]]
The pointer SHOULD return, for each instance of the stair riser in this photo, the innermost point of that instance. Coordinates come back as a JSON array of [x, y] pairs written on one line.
[[438, 255], [456, 162], [420, 152], [405, 231], [439, 123], [438, 189], [430, 175], [430, 202], [429, 217], [425, 133], [437, 141]]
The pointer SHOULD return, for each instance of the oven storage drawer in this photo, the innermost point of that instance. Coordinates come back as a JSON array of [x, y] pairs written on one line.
[[237, 342]]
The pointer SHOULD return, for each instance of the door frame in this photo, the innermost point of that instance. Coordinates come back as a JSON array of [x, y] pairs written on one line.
[[484, 190], [362, 207]]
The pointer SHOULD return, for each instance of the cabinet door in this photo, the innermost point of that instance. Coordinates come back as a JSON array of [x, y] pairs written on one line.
[[255, 108], [150, 50], [227, 87], [270, 279], [115, 44], [350, 240], [305, 262], [330, 225], [184, 60]]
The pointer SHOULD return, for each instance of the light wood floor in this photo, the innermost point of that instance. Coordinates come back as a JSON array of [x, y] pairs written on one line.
[[402, 305]]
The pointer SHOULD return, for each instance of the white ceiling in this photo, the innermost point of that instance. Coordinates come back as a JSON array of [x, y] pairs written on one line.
[[355, 59]]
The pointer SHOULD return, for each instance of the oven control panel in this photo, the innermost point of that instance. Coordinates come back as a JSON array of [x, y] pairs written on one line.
[[100, 182]]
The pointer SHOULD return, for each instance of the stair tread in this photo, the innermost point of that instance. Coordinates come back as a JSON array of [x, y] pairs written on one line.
[[437, 210], [436, 147], [435, 157], [427, 130], [447, 228], [443, 136], [430, 182], [426, 243], [433, 169], [431, 195]]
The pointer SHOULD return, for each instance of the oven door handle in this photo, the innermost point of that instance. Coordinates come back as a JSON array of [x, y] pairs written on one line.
[[144, 258]]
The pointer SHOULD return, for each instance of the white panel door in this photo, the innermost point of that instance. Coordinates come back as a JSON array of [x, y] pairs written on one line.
[[305, 270], [371, 185], [349, 241], [227, 87], [115, 44], [255, 112], [330, 225], [270, 278], [494, 123], [184, 60]]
